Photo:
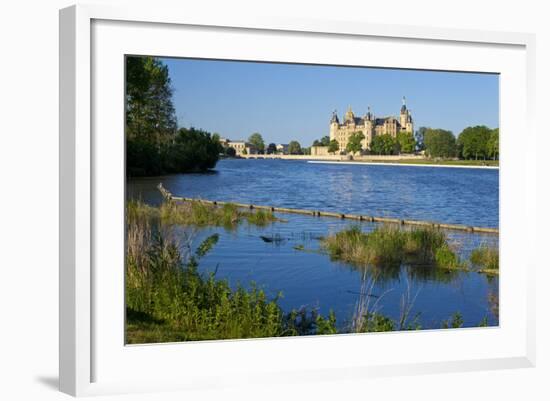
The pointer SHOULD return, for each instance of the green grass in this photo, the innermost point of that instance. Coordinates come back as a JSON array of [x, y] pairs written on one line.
[[485, 259], [200, 214], [391, 246], [167, 299]]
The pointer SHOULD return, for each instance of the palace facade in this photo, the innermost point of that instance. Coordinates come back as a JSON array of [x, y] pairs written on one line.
[[369, 125]]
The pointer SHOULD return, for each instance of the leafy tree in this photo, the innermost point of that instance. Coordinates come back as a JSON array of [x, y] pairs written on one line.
[[258, 142], [406, 142], [294, 148], [384, 145], [193, 150], [325, 141], [216, 140], [306, 151], [473, 142], [153, 144], [493, 145], [354, 143], [439, 143], [150, 115], [230, 151], [271, 148], [333, 146]]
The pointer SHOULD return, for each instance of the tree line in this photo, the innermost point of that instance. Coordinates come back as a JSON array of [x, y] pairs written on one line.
[[473, 143], [154, 144]]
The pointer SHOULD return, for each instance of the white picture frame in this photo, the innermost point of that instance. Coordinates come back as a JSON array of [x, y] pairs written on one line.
[[94, 360]]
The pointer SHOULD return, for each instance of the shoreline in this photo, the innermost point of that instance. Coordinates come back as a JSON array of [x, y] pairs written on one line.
[[404, 164]]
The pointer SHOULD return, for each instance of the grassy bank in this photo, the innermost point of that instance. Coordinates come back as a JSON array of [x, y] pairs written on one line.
[[392, 246], [169, 300]]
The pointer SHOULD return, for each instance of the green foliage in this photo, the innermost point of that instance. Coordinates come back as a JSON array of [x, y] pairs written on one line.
[[153, 144], [384, 145], [294, 148], [202, 214], [257, 141], [485, 258], [406, 141], [230, 151], [207, 245], [390, 246], [354, 143], [193, 150], [325, 141], [168, 300], [271, 149], [439, 143], [456, 321], [493, 145], [333, 146], [473, 142], [375, 323]]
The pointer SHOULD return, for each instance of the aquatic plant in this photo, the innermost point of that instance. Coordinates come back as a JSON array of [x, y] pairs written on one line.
[[167, 299], [486, 259], [390, 246], [199, 214]]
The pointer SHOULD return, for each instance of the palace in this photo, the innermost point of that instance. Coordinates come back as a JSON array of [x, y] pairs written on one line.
[[369, 126]]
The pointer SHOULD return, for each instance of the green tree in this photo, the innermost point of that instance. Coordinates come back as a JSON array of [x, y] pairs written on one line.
[[316, 143], [150, 115], [333, 146], [258, 142], [439, 143], [354, 142], [325, 141], [406, 142], [192, 150], [384, 145], [230, 151], [216, 140], [294, 148], [271, 149], [493, 144], [473, 142]]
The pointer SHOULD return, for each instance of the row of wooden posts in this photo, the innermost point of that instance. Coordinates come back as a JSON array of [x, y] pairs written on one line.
[[319, 213]]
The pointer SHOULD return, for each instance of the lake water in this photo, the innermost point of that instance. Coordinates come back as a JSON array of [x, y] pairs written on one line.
[[308, 277]]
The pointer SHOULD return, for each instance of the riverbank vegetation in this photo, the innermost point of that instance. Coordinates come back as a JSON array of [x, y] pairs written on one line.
[[168, 299], [199, 214], [486, 259], [390, 246]]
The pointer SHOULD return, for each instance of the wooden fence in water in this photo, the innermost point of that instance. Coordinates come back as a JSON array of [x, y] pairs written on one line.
[[319, 213]]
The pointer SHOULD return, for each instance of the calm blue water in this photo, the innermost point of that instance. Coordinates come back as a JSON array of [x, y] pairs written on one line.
[[310, 278]]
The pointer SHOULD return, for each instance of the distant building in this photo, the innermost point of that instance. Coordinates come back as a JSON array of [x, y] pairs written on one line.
[[282, 148], [319, 151], [369, 125], [241, 147]]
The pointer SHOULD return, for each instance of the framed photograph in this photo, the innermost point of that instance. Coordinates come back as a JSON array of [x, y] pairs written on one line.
[[343, 199]]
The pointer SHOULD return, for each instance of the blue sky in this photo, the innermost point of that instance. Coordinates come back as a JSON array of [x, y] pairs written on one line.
[[292, 101]]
